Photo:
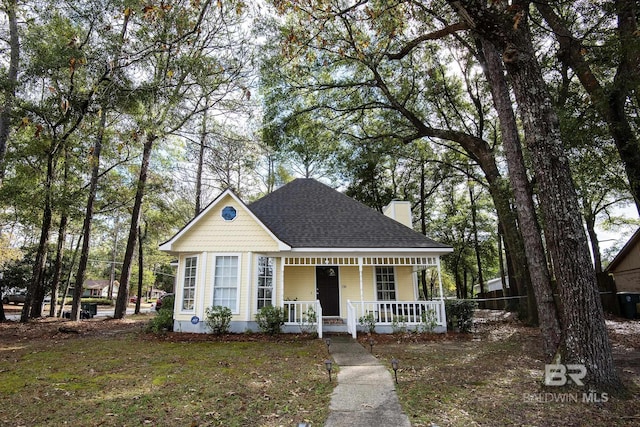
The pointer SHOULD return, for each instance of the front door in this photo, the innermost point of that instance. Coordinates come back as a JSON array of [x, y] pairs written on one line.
[[327, 290]]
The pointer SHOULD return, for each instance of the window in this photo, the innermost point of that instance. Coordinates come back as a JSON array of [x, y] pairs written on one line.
[[189, 287], [265, 282], [225, 282], [385, 284]]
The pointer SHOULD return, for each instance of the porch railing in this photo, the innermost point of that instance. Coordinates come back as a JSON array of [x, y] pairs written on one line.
[[352, 319], [409, 313], [305, 314]]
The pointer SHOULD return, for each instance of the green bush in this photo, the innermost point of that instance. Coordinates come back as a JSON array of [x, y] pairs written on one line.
[[399, 324], [460, 314], [270, 319], [218, 319], [162, 322], [369, 321], [428, 321]]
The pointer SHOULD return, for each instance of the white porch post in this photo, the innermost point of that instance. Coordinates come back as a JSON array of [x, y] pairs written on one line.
[[444, 312], [280, 293], [360, 261]]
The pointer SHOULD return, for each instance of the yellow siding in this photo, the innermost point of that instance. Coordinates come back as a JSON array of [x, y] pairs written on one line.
[[300, 283], [400, 211], [404, 284], [349, 287], [212, 232]]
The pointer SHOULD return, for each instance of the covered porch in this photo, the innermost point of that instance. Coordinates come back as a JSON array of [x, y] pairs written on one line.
[[346, 294]]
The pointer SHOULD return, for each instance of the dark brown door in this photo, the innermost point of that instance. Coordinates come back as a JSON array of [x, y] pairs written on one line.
[[327, 290]]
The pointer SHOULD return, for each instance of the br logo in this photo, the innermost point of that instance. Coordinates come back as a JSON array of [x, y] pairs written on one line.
[[558, 375]]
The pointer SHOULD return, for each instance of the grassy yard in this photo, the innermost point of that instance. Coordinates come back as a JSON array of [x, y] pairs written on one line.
[[112, 374], [494, 377]]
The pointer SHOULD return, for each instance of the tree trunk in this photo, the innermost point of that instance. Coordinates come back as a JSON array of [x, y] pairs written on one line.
[[125, 275], [203, 136], [67, 282], [590, 222], [476, 245], [88, 219], [585, 339], [114, 253], [57, 269], [529, 227], [30, 308], [141, 237], [11, 82]]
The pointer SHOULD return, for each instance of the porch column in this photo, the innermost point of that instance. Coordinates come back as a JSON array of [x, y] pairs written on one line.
[[442, 306], [361, 286], [280, 293], [440, 278]]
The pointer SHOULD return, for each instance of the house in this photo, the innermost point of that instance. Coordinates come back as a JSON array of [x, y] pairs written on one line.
[[625, 269], [322, 256], [98, 288], [492, 285]]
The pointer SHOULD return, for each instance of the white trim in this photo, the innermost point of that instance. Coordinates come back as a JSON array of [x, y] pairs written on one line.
[[250, 279], [374, 250], [280, 296], [256, 286], [203, 300], [236, 309], [375, 282], [360, 268], [168, 245], [179, 297]]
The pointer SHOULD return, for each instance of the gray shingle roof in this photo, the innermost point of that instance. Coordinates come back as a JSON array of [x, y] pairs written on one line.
[[308, 214]]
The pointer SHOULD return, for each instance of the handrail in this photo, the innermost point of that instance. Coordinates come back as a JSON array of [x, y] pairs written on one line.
[[319, 318], [351, 320], [410, 312]]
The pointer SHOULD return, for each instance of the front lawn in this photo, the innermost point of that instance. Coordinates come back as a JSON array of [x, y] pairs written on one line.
[[494, 377], [113, 374]]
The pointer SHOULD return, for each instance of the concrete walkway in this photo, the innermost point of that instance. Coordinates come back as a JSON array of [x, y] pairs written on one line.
[[366, 394]]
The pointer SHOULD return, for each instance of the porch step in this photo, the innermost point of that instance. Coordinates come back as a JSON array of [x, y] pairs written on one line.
[[332, 321]]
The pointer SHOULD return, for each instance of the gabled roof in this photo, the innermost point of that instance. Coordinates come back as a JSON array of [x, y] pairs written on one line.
[[308, 214], [167, 246], [624, 251]]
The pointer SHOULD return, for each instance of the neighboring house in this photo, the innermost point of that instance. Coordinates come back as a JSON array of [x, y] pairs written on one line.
[[307, 248], [625, 267], [98, 289], [492, 285]]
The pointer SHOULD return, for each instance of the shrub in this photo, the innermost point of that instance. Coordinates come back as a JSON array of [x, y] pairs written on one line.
[[218, 319], [270, 319], [399, 324], [428, 321], [162, 321], [369, 321], [308, 320], [460, 314]]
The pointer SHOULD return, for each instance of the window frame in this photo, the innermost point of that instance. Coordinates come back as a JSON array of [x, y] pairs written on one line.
[[258, 276], [390, 272], [194, 288], [238, 279]]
